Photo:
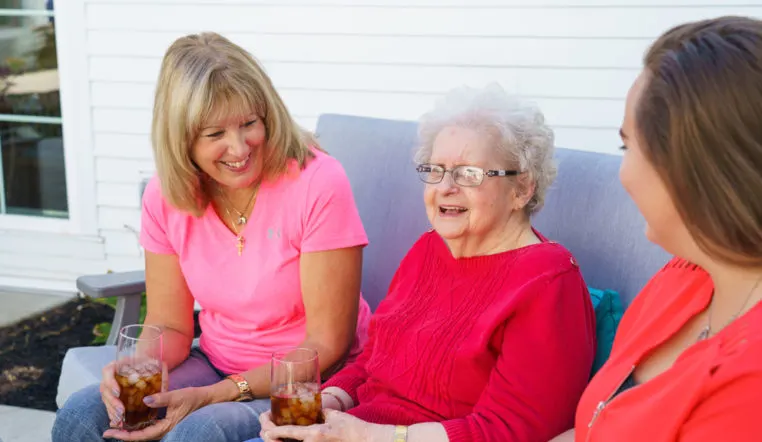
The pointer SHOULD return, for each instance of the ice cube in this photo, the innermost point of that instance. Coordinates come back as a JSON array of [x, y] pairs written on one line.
[[133, 378]]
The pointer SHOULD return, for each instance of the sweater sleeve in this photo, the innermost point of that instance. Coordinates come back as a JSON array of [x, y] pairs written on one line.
[[544, 363], [729, 414], [351, 377]]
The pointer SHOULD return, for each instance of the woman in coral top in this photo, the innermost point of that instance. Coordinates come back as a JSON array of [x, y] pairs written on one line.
[[687, 360]]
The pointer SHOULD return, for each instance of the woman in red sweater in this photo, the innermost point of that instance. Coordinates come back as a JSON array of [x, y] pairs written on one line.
[[687, 360], [487, 331]]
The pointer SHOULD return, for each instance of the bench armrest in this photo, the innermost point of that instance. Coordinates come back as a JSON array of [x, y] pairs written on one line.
[[127, 286]]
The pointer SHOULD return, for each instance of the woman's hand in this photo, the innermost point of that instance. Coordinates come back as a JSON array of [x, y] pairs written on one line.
[[110, 390], [338, 427], [179, 403]]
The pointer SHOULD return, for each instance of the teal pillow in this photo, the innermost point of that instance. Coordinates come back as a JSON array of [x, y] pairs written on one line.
[[608, 312]]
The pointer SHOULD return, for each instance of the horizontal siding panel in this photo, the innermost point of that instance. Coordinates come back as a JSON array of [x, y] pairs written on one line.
[[567, 83], [30, 279], [137, 122], [42, 245], [450, 3], [365, 20], [118, 195], [445, 51], [406, 106], [122, 170], [308, 123], [133, 69], [65, 266], [122, 243], [117, 263], [134, 147], [122, 121], [604, 140], [118, 218]]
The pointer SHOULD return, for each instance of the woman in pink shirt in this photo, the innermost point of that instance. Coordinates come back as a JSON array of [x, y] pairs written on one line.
[[251, 220]]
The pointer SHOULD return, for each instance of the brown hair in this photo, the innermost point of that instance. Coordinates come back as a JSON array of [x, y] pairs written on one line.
[[699, 120], [202, 76]]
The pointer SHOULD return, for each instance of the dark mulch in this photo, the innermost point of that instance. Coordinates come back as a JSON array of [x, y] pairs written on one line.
[[32, 350]]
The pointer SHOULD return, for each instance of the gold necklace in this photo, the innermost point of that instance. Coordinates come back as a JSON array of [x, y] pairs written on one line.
[[239, 239], [241, 220], [706, 331]]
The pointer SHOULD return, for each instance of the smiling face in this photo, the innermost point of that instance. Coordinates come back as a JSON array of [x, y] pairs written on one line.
[[230, 150], [469, 214]]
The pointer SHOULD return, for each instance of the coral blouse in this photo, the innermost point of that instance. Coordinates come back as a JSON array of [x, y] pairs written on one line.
[[713, 392]]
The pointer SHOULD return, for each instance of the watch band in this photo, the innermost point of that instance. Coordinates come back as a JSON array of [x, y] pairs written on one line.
[[400, 433], [244, 391]]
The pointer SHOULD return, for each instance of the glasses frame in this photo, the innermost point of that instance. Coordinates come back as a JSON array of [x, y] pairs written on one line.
[[485, 173]]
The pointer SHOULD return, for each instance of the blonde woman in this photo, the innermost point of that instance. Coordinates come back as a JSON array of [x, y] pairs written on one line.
[[249, 218]]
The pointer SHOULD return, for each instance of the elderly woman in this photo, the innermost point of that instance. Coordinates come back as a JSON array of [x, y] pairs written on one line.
[[487, 330], [691, 342], [249, 218]]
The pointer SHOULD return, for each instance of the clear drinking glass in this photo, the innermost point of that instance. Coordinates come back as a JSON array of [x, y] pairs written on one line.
[[295, 387], [139, 372]]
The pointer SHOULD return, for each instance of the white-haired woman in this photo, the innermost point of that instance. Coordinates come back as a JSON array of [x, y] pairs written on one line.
[[251, 220], [487, 332]]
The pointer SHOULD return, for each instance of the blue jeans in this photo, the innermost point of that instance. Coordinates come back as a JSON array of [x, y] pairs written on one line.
[[83, 417]]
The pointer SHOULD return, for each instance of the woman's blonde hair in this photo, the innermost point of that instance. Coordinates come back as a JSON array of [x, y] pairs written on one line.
[[205, 76]]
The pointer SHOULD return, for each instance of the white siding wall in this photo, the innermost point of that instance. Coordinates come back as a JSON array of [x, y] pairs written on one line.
[[389, 59]]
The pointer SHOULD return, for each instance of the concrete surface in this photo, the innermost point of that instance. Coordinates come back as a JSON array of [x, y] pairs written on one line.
[[24, 425], [19, 305]]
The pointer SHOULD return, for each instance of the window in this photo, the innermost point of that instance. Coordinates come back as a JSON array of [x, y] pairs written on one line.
[[32, 167]]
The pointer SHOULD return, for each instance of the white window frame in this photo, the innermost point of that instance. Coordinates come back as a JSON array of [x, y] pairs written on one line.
[[73, 72]]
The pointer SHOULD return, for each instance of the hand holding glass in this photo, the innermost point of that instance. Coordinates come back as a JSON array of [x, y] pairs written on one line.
[[139, 372], [295, 388]]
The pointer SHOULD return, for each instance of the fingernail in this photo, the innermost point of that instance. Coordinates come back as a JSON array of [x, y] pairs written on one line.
[[148, 400], [116, 392], [119, 413]]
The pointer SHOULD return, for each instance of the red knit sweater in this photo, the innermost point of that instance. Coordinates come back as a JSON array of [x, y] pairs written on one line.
[[495, 348]]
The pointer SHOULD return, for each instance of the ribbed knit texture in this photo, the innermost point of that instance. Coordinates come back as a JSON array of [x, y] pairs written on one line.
[[496, 348]]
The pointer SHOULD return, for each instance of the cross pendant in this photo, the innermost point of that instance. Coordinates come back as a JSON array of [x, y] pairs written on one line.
[[239, 244], [242, 220]]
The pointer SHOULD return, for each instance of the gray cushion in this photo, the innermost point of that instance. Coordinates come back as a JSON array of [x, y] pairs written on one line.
[[82, 367], [378, 158], [587, 210]]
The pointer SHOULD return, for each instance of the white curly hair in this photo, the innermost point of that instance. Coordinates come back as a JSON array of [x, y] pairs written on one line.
[[517, 128]]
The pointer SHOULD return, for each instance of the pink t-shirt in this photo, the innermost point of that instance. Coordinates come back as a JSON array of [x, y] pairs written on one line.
[[252, 304]]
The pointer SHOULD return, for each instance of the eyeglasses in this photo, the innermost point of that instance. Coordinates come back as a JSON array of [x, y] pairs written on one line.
[[466, 176]]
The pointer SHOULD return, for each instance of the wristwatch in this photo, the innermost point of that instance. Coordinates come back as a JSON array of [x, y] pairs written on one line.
[[244, 392]]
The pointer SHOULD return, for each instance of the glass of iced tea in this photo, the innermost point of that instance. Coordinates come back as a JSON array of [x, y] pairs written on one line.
[[139, 370], [295, 388]]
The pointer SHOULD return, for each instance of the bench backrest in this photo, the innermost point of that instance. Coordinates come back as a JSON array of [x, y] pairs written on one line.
[[586, 210]]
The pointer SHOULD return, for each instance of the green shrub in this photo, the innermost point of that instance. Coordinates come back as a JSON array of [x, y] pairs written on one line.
[[102, 330]]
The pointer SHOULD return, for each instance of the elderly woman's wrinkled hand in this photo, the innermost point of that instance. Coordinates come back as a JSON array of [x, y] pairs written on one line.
[[338, 427]]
